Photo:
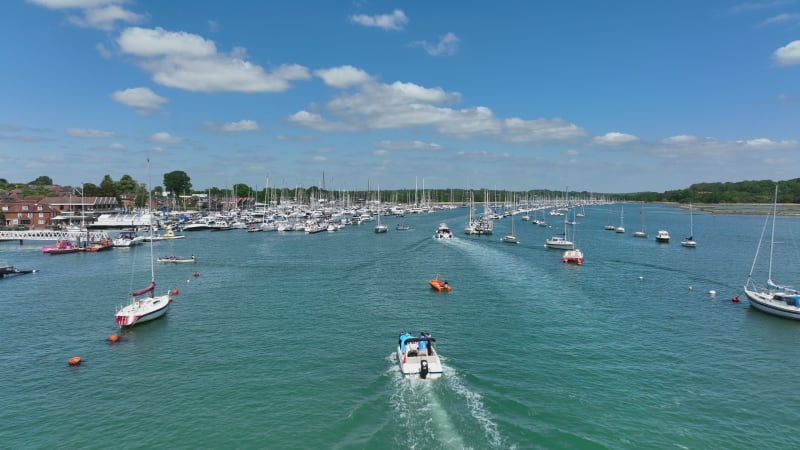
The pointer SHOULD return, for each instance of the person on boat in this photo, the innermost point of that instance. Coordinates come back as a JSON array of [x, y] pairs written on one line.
[[423, 345], [445, 284], [403, 337]]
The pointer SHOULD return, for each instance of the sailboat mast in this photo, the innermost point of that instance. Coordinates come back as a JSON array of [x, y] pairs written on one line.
[[149, 207], [772, 237]]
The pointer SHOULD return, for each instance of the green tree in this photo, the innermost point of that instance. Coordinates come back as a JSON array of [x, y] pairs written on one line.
[[126, 185], [42, 181], [107, 187], [177, 182]]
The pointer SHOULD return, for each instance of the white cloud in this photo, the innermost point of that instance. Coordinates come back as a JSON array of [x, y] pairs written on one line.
[[614, 138], [188, 61], [767, 144], [103, 51], [409, 145], [681, 139], [394, 21], [781, 18], [787, 55], [408, 105], [538, 130], [343, 77], [787, 99], [142, 99], [447, 45], [163, 137], [233, 127], [316, 122], [89, 133], [100, 14]]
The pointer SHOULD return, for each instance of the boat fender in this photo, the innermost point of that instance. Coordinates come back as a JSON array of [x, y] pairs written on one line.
[[423, 368]]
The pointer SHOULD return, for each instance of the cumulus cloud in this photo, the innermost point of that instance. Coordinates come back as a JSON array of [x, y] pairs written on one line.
[[394, 21], [233, 127], [89, 133], [447, 45], [680, 139], [343, 77], [538, 130], [163, 137], [709, 147], [409, 145], [190, 62], [99, 14], [375, 105], [788, 55], [614, 138], [142, 99]]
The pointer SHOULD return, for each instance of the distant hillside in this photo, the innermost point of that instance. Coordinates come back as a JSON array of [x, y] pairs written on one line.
[[739, 192]]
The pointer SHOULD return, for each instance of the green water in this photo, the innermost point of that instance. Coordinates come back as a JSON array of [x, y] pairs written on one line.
[[285, 340]]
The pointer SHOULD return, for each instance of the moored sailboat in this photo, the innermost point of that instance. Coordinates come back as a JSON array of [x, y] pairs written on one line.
[[689, 241], [772, 299], [144, 304]]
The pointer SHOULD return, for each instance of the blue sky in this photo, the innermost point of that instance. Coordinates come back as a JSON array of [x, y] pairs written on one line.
[[620, 96]]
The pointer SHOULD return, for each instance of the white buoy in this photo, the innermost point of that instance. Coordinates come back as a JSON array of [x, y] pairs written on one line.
[[690, 288], [641, 278], [712, 292]]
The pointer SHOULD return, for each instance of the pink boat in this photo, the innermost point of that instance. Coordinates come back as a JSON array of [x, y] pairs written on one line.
[[60, 248]]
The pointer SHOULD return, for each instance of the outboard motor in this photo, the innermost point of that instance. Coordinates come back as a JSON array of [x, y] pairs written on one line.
[[423, 369]]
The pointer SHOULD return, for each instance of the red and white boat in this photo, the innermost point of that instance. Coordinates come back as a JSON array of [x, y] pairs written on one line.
[[573, 256]]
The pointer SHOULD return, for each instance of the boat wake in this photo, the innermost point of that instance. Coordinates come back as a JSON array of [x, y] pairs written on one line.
[[421, 411], [476, 408]]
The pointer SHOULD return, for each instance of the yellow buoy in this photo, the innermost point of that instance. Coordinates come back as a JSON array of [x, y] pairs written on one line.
[[75, 360]]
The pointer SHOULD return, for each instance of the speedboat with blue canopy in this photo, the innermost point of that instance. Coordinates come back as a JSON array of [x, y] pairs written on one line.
[[418, 357]]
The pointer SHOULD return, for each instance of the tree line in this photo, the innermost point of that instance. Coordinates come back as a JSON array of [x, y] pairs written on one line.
[[178, 183]]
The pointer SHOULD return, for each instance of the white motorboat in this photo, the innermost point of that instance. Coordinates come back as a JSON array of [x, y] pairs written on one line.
[[167, 236], [127, 238], [443, 232], [418, 357], [177, 259], [662, 236]]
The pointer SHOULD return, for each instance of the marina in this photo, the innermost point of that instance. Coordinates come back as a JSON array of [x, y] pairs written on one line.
[[628, 350]]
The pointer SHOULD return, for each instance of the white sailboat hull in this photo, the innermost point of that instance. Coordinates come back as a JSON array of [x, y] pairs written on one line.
[[143, 310], [779, 304]]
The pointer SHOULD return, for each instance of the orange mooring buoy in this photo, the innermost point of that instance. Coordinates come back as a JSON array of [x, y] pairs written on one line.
[[113, 338], [196, 274], [174, 291], [735, 299], [75, 360]]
